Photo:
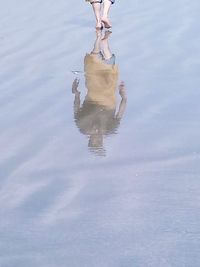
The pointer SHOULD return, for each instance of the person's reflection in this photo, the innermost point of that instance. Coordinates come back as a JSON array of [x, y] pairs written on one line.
[[97, 116]]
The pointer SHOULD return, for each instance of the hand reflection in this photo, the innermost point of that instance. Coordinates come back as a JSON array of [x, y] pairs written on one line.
[[97, 116]]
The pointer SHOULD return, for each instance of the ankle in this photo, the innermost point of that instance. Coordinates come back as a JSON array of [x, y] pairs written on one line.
[[104, 17]]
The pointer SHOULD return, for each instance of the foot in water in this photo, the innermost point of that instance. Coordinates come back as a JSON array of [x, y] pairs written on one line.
[[106, 35], [107, 23], [99, 25]]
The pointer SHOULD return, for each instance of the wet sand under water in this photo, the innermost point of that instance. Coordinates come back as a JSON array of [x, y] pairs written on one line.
[[129, 195]]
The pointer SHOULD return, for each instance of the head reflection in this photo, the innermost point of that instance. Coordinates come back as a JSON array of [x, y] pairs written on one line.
[[98, 115]]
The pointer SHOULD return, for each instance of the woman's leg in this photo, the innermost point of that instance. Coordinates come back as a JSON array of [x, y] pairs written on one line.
[[97, 44], [106, 9], [97, 12], [105, 46]]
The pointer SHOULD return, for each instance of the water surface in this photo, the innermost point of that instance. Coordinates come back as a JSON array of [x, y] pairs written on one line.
[[130, 197]]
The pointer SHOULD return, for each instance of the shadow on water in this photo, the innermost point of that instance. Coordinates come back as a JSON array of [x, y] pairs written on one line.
[[99, 115]]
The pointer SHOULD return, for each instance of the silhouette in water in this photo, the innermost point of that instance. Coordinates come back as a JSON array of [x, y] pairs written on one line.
[[97, 116]]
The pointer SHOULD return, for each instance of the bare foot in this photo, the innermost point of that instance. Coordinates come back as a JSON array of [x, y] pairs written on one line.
[[106, 23], [99, 25], [106, 35]]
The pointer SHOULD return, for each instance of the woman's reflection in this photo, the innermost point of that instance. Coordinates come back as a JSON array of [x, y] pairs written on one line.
[[97, 116]]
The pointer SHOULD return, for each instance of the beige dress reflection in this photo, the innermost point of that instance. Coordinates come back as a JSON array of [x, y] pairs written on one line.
[[97, 117]]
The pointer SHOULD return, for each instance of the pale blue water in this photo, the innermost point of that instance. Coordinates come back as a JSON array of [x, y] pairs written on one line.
[[137, 202]]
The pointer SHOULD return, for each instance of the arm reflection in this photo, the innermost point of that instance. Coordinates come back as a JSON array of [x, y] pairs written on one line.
[[97, 116]]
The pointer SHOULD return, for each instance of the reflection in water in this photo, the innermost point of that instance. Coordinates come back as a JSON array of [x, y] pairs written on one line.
[[97, 116]]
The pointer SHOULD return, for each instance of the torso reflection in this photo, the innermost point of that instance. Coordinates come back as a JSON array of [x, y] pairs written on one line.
[[98, 117]]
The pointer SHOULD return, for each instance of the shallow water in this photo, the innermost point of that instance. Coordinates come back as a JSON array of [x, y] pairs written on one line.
[[130, 199]]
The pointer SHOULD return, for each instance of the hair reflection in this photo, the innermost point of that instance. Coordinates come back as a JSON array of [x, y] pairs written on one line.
[[97, 116]]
